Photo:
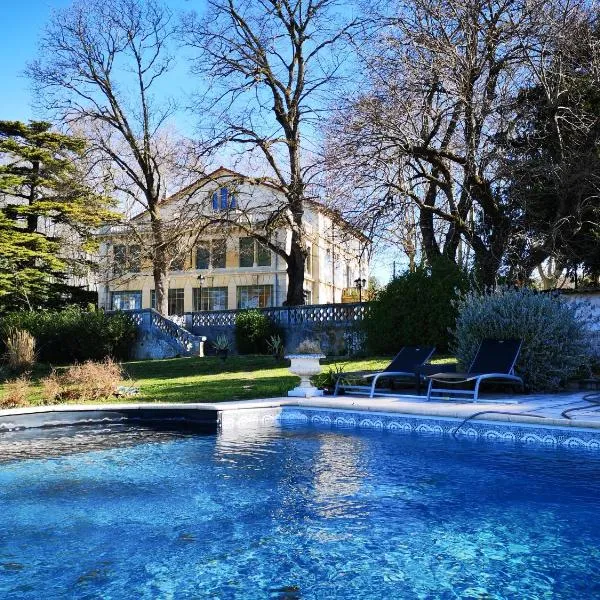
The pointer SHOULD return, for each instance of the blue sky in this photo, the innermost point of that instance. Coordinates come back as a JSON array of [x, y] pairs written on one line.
[[22, 22]]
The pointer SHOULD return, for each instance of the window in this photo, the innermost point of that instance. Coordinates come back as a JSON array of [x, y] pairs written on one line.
[[178, 263], [308, 261], [120, 259], [212, 255], [134, 259], [219, 254], [175, 303], [246, 252], [263, 255], [308, 296], [126, 259], [126, 300], [254, 253], [223, 200], [210, 298], [203, 257], [254, 296]]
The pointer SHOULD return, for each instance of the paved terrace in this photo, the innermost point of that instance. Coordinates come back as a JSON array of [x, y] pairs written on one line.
[[539, 409]]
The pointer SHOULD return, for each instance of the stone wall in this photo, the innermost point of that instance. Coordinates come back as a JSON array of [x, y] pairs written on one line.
[[335, 326]]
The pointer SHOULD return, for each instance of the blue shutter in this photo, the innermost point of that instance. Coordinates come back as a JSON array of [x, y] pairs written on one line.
[[223, 198], [215, 201], [232, 202]]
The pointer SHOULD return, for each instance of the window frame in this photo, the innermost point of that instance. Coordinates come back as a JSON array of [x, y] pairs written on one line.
[[203, 298], [265, 300], [121, 293], [258, 251]]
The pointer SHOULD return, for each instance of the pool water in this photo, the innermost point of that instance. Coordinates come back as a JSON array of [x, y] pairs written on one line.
[[296, 513]]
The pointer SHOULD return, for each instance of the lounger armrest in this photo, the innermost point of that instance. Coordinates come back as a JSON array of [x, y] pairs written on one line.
[[452, 376], [357, 374], [391, 374]]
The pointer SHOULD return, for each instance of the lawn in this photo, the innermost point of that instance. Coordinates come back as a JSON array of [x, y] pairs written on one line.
[[211, 379]]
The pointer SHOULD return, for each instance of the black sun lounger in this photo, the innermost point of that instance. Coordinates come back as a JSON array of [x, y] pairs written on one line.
[[495, 360], [405, 364]]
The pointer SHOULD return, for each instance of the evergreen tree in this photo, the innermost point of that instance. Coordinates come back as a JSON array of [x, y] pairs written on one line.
[[47, 215]]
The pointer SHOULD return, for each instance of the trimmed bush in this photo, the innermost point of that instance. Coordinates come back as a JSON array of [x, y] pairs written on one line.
[[553, 333], [75, 335], [415, 308], [253, 330]]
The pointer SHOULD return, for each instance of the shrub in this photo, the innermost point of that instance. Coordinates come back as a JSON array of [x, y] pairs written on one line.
[[253, 329], [276, 347], [415, 308], [328, 379], [20, 349], [308, 347], [89, 381], [16, 393], [554, 335], [76, 335]]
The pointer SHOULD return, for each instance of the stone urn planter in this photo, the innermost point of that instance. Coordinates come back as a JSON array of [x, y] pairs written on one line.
[[305, 366]]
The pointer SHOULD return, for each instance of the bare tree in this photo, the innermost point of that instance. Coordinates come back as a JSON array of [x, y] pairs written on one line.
[[270, 65], [442, 84], [101, 65]]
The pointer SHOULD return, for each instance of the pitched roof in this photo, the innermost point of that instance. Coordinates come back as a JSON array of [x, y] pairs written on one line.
[[266, 181]]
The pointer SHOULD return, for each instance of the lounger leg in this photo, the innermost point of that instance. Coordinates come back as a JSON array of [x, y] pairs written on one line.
[[372, 392], [429, 390], [337, 387], [476, 392]]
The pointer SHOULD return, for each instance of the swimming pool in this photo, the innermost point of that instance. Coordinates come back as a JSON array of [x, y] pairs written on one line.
[[294, 512]]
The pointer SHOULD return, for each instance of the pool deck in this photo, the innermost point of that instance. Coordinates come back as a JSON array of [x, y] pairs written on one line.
[[542, 410]]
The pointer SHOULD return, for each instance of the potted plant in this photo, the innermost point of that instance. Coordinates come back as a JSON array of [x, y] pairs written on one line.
[[222, 346], [305, 363], [276, 346]]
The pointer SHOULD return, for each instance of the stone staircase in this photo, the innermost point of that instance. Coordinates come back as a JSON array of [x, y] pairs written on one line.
[[159, 337]]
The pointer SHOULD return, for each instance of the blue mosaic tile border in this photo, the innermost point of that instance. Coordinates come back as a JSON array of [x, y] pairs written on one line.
[[556, 437]]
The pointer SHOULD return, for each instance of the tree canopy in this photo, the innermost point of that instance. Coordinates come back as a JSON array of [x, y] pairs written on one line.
[[47, 215]]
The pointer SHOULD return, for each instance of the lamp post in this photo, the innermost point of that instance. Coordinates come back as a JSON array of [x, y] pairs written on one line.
[[360, 284], [201, 279]]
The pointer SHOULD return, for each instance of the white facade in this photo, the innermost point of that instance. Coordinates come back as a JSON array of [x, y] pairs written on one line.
[[223, 267]]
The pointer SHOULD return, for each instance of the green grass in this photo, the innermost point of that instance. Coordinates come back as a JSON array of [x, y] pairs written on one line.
[[210, 379]]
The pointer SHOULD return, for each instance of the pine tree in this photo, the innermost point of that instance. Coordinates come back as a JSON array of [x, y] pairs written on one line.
[[47, 215]]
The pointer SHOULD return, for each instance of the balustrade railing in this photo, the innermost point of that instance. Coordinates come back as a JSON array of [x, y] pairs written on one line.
[[287, 315], [153, 319]]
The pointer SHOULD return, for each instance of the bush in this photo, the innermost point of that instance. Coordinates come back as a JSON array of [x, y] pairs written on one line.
[[20, 349], [16, 393], [554, 336], [76, 335], [253, 330], [89, 381], [415, 308]]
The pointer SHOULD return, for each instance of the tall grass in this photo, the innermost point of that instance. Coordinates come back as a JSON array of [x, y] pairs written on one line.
[[20, 354]]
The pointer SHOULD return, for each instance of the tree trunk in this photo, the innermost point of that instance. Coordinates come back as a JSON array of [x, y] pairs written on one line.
[[486, 267], [295, 271], [431, 247], [160, 265]]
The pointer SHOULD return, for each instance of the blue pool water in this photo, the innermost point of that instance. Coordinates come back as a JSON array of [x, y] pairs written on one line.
[[295, 513]]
